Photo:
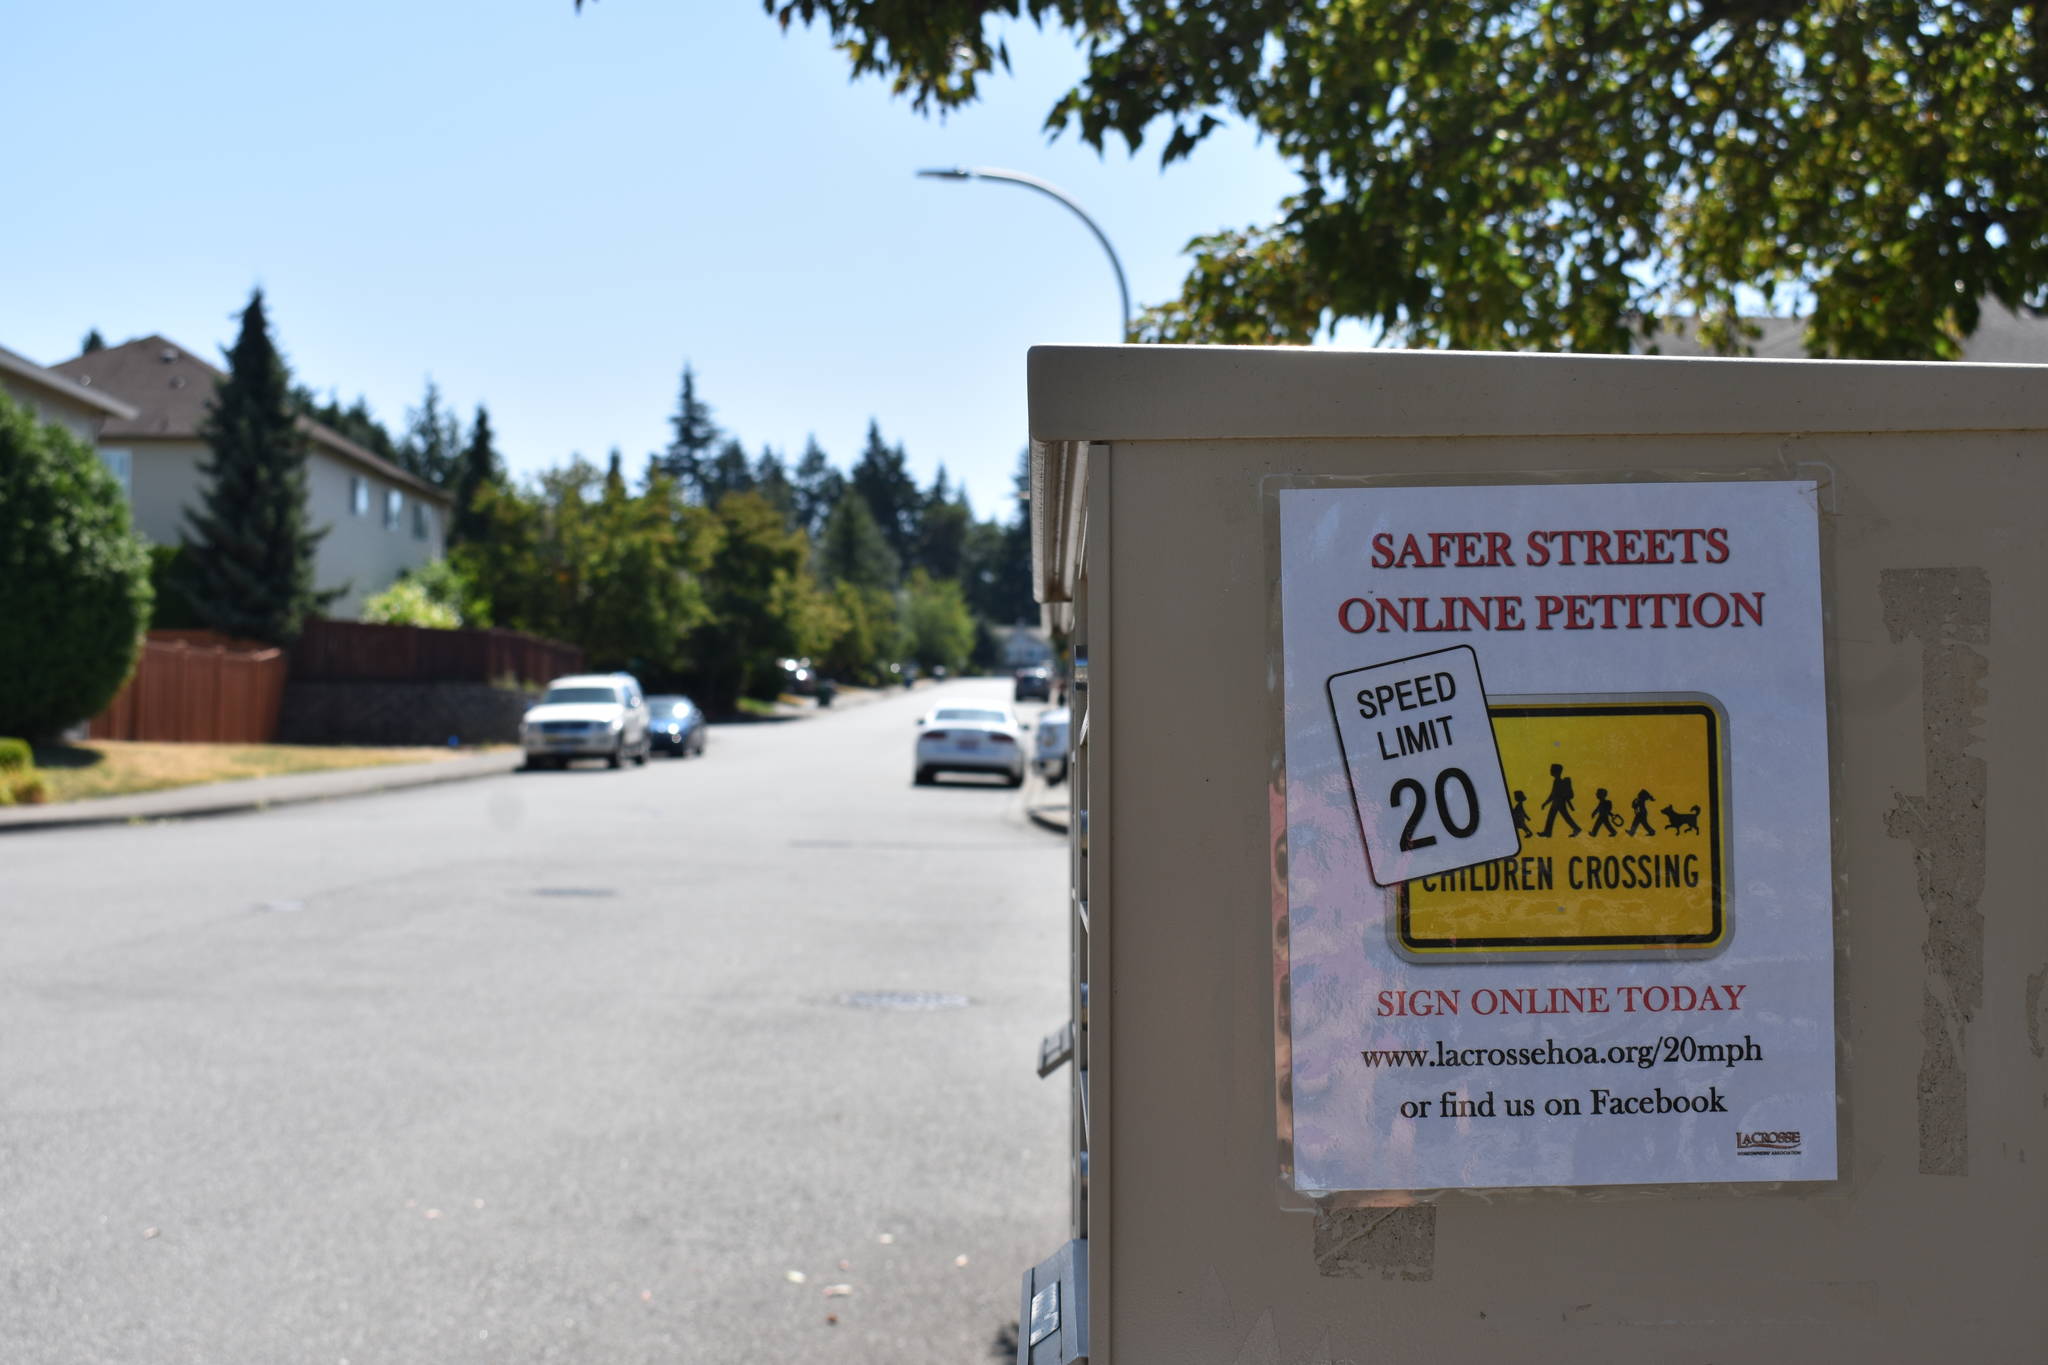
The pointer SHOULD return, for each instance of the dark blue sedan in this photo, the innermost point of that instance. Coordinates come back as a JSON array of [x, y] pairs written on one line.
[[675, 726]]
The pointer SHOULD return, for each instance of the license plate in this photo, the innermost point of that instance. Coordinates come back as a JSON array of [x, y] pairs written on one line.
[[970, 744]]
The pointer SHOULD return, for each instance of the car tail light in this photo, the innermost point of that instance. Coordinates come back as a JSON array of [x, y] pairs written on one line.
[[1002, 739], [934, 734]]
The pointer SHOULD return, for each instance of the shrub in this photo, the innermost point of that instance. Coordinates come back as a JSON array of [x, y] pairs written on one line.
[[16, 757], [407, 603], [170, 570], [74, 579]]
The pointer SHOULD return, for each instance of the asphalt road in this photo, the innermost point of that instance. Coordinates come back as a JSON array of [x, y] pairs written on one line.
[[545, 1067]]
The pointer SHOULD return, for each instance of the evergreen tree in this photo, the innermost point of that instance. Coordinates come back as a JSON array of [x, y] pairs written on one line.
[[479, 469], [251, 552], [615, 475], [355, 422], [771, 481], [728, 472], [432, 448], [942, 527], [694, 434], [93, 342], [852, 549], [879, 476], [996, 560], [817, 487]]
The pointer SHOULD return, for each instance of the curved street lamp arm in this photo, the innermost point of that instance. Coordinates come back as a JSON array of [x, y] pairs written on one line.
[[1033, 182]]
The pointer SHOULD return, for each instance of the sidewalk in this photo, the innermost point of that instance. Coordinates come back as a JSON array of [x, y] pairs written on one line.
[[254, 793]]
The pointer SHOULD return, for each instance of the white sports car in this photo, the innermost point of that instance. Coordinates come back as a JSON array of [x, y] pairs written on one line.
[[970, 739]]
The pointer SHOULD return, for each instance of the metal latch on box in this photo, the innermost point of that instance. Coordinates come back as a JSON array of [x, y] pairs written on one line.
[[1053, 1315], [1056, 1050]]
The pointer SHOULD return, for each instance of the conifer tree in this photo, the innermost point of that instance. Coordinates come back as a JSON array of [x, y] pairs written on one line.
[[771, 481], [727, 472], [852, 549], [817, 488], [432, 448], [695, 433], [479, 469], [93, 342], [880, 477], [249, 548]]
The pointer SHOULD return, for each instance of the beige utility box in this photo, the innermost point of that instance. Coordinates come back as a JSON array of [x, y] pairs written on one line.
[[1558, 857]]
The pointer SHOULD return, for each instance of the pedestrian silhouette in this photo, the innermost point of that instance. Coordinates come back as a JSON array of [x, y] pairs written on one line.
[[1521, 814], [1559, 802], [1641, 806], [1605, 821]]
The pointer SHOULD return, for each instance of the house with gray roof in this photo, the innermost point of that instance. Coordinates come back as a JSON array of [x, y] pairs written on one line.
[[380, 520]]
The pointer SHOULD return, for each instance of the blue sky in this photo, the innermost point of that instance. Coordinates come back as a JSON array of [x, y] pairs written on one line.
[[550, 212]]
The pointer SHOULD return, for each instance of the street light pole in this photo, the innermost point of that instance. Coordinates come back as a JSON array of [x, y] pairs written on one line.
[[1032, 182]]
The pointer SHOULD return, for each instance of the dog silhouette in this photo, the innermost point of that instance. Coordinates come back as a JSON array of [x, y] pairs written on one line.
[[1679, 820]]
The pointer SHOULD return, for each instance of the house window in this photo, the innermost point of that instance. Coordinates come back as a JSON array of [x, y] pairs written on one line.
[[422, 521], [359, 495], [394, 508], [121, 464]]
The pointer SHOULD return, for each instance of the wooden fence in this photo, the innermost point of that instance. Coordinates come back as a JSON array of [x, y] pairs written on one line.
[[197, 686], [352, 651]]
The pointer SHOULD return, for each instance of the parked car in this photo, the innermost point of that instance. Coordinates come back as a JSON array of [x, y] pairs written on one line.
[[675, 725], [970, 739], [1034, 684], [1049, 754], [587, 715], [798, 676]]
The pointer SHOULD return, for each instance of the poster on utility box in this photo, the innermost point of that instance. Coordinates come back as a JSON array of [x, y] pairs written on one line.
[[1557, 859]]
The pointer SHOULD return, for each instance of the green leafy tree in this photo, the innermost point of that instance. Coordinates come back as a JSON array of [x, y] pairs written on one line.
[[1542, 173], [816, 488], [432, 446], [869, 639], [74, 579], [880, 477], [938, 629], [250, 550], [764, 604], [579, 558], [480, 467], [693, 435]]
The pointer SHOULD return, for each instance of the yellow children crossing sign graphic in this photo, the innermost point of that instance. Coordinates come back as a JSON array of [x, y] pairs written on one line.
[[1621, 809]]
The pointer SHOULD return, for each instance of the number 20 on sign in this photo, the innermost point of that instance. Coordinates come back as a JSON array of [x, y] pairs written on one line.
[[1424, 769]]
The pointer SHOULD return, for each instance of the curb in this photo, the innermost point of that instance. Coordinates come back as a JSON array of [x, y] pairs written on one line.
[[240, 797]]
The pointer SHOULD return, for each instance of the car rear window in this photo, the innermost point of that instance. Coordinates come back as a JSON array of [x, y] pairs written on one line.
[[961, 713], [558, 695]]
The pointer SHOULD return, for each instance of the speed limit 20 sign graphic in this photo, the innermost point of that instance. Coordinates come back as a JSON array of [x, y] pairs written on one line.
[[1424, 770]]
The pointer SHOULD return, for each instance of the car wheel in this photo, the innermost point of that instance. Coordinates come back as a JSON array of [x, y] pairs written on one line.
[[1016, 779], [616, 757], [924, 777]]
